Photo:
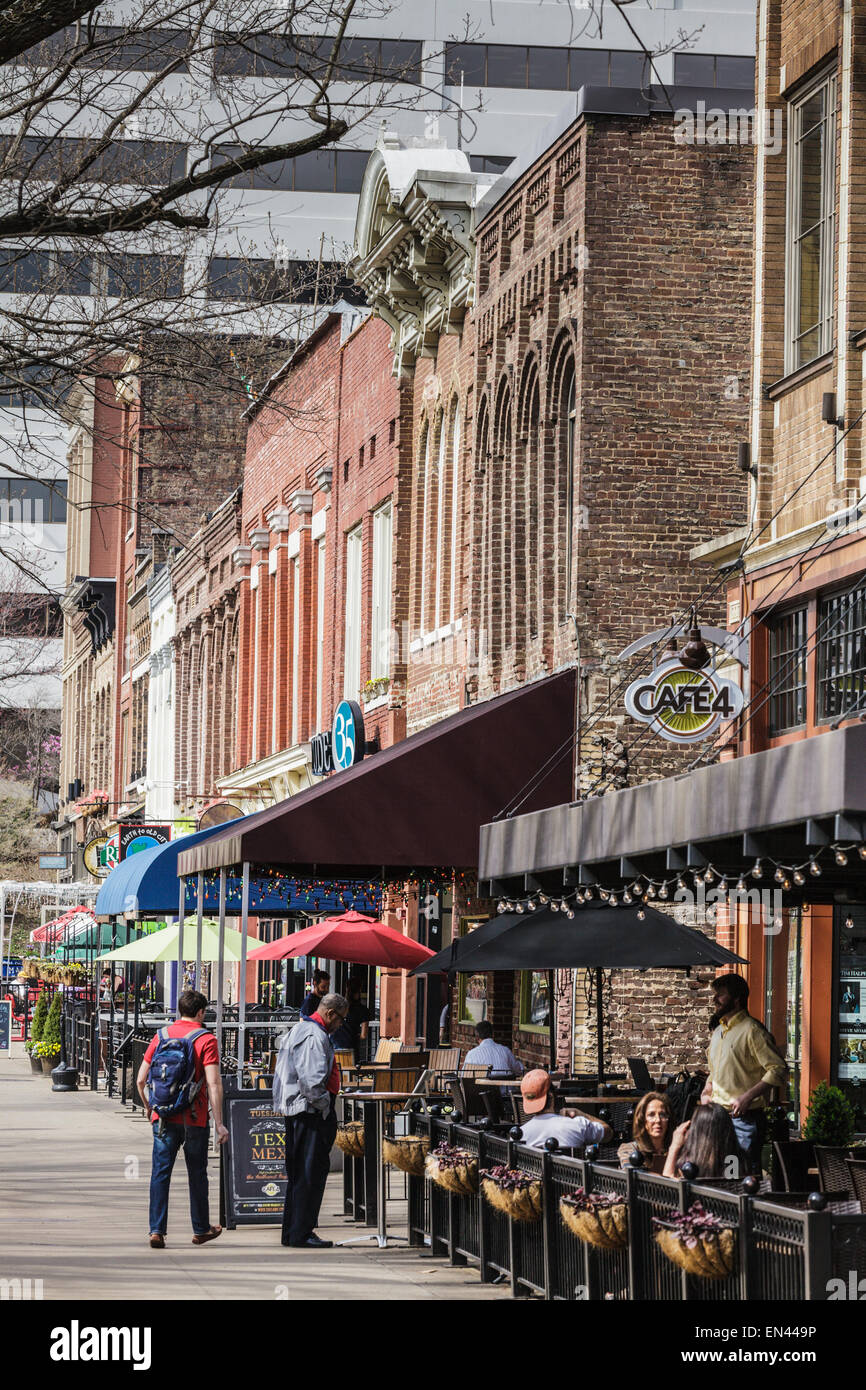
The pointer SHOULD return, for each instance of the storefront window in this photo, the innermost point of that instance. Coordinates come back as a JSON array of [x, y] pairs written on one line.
[[472, 996], [850, 1006], [783, 1004], [534, 1001]]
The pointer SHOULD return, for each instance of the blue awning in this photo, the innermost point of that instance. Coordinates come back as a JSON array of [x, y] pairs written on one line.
[[147, 882], [147, 885]]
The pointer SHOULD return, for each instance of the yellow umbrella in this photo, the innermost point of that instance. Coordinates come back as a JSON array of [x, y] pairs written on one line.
[[163, 945]]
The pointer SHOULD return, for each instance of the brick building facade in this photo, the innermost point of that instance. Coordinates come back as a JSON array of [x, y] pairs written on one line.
[[799, 594], [561, 472]]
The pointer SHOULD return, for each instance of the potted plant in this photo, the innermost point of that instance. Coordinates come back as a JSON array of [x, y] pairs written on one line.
[[37, 1028], [516, 1194], [453, 1168], [698, 1241], [830, 1118], [376, 686], [48, 1049]]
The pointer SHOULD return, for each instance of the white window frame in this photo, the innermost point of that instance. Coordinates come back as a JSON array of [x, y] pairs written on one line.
[[440, 526], [380, 626], [296, 647], [320, 630], [455, 502], [352, 630], [826, 223], [425, 513]]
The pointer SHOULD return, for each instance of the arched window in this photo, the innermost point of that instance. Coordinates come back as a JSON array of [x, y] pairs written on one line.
[[423, 493], [531, 491], [503, 528], [563, 406], [569, 419], [455, 512], [481, 585]]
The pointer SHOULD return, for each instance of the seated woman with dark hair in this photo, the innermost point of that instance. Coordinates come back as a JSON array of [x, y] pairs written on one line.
[[708, 1141], [651, 1132]]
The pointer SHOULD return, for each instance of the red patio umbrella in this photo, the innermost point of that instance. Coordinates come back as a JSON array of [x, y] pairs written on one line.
[[352, 937]]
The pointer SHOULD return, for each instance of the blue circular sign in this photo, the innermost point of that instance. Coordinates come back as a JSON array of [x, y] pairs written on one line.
[[347, 735]]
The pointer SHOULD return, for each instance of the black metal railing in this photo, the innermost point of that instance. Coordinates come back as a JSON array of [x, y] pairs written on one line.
[[786, 1251]]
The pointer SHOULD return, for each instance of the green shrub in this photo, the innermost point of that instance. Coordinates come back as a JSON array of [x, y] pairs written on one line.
[[830, 1118], [37, 1023], [50, 1042]]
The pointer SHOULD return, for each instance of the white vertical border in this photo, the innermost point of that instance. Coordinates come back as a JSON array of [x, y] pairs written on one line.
[[761, 117], [320, 629], [296, 646], [352, 644]]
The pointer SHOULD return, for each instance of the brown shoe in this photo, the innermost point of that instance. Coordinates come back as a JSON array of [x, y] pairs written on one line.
[[157, 1242], [208, 1235]]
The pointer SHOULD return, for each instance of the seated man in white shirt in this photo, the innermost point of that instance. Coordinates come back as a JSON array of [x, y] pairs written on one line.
[[572, 1128], [500, 1059]]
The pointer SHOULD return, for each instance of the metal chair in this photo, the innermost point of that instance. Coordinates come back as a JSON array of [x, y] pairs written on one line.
[[444, 1059], [793, 1159], [833, 1172], [857, 1173]]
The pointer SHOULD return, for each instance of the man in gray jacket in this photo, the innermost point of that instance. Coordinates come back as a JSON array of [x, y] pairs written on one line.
[[306, 1083]]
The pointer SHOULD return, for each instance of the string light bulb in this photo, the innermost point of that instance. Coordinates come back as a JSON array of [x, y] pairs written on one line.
[[651, 890], [814, 869], [500, 906], [709, 876], [849, 923], [664, 892], [799, 877], [741, 884], [861, 850], [841, 858], [570, 912], [588, 895], [626, 897], [757, 869], [779, 875], [641, 915], [554, 905]]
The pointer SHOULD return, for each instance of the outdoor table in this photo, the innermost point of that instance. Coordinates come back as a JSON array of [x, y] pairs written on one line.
[[376, 1131]]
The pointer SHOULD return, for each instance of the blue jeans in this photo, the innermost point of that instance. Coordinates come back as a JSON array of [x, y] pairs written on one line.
[[195, 1146], [751, 1131]]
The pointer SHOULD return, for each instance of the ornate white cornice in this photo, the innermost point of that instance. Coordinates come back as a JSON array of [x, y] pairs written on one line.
[[414, 244]]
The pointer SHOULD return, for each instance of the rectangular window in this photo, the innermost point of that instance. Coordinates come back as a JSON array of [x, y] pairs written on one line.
[[787, 671], [811, 224], [714, 70], [534, 1001], [128, 276], [300, 55], [472, 989], [380, 631], [842, 654], [352, 646], [260, 281], [320, 631], [29, 502]]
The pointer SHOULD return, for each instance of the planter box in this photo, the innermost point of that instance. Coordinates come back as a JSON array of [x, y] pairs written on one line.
[[48, 1064]]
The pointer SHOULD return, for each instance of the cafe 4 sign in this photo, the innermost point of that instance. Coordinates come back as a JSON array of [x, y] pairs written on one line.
[[683, 705]]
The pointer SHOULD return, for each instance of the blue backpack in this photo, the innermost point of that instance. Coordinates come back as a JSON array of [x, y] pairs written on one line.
[[172, 1086]]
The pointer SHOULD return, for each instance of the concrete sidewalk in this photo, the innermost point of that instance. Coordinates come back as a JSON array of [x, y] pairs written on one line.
[[74, 1178]]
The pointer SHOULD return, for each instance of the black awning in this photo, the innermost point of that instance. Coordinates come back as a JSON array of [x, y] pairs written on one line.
[[595, 938], [419, 804], [788, 803]]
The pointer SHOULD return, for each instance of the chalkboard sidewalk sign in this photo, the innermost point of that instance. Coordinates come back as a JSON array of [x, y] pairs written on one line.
[[253, 1161], [5, 1025]]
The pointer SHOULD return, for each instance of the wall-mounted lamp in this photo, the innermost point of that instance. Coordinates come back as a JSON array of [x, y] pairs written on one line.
[[744, 459], [828, 411]]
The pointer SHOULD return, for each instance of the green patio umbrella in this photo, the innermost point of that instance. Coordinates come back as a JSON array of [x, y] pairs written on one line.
[[163, 945]]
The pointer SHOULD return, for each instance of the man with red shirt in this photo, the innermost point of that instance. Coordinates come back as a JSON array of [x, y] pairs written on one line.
[[188, 1129], [306, 1084]]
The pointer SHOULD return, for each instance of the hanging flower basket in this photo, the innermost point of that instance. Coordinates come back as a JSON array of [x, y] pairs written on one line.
[[407, 1152], [350, 1138], [515, 1193], [698, 1242], [599, 1218], [454, 1169]]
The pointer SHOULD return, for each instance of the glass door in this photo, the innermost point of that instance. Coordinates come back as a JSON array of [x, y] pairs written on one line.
[[783, 999]]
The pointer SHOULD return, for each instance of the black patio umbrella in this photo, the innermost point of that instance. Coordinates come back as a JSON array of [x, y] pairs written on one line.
[[596, 938]]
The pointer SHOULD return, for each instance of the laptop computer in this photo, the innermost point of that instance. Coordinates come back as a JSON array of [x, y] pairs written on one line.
[[640, 1074]]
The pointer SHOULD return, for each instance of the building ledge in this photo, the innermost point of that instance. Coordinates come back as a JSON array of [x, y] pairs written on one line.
[[793, 379], [721, 549]]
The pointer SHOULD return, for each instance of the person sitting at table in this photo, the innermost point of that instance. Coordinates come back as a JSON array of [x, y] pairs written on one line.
[[707, 1140], [354, 1032], [499, 1058], [572, 1128], [652, 1129]]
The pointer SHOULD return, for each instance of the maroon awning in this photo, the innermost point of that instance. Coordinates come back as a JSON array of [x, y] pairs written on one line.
[[419, 804]]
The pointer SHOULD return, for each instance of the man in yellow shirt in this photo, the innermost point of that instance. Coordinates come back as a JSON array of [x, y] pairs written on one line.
[[744, 1065]]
